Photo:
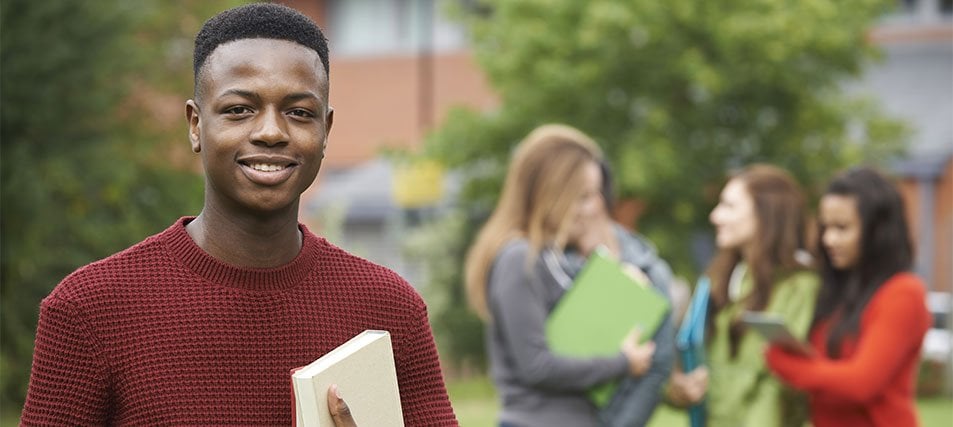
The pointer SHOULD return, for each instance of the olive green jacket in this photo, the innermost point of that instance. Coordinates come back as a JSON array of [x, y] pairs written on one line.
[[742, 392]]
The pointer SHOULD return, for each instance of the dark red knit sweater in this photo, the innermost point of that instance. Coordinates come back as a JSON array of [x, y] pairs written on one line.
[[164, 334]]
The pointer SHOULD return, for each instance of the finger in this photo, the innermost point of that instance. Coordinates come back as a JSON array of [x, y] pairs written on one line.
[[340, 412], [700, 374], [634, 335], [636, 274], [694, 395]]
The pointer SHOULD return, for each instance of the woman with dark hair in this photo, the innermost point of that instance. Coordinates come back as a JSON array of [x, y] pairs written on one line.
[[871, 314], [762, 229]]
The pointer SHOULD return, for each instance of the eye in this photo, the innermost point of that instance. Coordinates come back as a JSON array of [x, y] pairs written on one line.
[[238, 110], [836, 227], [301, 112]]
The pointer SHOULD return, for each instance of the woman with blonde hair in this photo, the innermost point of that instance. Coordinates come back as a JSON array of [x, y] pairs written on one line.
[[552, 205]]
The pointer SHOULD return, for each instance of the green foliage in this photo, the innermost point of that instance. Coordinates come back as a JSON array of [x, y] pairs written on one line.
[[678, 93], [85, 169], [458, 332]]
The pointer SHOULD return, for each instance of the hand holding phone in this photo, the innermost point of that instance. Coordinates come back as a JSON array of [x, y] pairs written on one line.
[[773, 329]]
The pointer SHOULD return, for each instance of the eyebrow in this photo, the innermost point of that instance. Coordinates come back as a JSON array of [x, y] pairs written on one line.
[[297, 96]]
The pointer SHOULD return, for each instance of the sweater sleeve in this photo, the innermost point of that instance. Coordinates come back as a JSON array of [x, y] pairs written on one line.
[[423, 395], [68, 380], [636, 398], [795, 302], [519, 312], [892, 328]]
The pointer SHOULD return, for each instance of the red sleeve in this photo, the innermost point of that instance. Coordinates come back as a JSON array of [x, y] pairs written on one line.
[[786, 365], [893, 326], [423, 394], [68, 384]]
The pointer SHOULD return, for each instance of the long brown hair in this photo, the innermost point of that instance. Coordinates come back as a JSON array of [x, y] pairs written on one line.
[[783, 228], [543, 182]]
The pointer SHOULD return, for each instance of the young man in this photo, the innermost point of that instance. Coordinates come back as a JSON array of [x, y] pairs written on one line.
[[201, 323]]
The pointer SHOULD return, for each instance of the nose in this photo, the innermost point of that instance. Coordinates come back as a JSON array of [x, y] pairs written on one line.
[[270, 129], [828, 238], [713, 216]]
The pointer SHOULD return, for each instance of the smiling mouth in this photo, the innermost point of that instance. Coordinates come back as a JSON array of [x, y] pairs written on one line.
[[267, 167], [268, 172]]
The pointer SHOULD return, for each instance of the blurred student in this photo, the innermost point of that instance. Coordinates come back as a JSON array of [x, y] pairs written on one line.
[[763, 265], [202, 323], [871, 315], [518, 269], [638, 396]]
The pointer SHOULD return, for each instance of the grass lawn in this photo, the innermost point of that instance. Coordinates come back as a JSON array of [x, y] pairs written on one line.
[[475, 404]]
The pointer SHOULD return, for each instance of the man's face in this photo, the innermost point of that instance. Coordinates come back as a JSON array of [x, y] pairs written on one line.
[[260, 123]]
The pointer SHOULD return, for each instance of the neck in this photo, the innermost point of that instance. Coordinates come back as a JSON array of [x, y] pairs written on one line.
[[748, 253], [247, 241]]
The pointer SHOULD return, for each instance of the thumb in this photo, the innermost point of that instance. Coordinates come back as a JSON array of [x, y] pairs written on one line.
[[340, 412], [635, 335]]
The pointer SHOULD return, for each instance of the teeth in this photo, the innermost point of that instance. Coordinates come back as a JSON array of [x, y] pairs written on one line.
[[264, 167]]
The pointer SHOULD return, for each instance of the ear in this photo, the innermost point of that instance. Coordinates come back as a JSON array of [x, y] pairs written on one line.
[[195, 125], [328, 121]]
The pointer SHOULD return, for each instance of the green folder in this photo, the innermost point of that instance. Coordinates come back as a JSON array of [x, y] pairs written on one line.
[[599, 310]]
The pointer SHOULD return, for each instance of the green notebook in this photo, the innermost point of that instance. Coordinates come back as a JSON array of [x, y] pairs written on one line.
[[597, 313]]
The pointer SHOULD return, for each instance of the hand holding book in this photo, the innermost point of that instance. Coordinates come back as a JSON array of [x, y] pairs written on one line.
[[363, 369], [687, 389], [639, 354], [340, 413], [598, 313]]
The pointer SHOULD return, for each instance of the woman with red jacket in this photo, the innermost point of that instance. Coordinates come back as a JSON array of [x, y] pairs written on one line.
[[871, 315]]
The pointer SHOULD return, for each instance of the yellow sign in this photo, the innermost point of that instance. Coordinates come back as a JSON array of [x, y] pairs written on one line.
[[418, 184]]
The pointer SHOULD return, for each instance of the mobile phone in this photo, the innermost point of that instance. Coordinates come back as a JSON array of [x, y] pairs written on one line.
[[773, 329]]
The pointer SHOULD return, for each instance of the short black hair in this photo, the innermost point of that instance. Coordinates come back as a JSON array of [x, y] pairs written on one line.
[[258, 20]]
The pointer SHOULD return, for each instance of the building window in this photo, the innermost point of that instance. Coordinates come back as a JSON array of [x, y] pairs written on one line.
[[391, 27], [921, 11]]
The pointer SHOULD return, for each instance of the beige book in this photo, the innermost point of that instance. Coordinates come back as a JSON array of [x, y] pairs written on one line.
[[363, 368]]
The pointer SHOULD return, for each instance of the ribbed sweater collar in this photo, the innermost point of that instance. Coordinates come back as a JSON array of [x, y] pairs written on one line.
[[183, 248]]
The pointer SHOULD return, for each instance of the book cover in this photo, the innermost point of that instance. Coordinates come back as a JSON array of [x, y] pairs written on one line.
[[364, 370], [603, 305], [690, 338], [690, 341]]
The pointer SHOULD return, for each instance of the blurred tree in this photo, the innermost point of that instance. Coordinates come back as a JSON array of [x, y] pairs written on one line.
[[439, 244], [678, 93], [87, 162]]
